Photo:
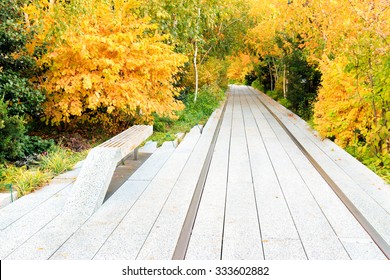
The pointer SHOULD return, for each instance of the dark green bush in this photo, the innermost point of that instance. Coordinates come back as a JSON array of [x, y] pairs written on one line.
[[17, 67], [161, 124], [208, 100], [258, 85], [20, 100], [15, 144], [21, 97], [36, 145], [275, 94], [12, 132]]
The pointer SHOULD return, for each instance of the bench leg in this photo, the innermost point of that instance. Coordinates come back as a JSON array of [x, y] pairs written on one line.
[[136, 154]]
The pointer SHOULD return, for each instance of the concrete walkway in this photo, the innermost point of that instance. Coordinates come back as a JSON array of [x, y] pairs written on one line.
[[262, 199]]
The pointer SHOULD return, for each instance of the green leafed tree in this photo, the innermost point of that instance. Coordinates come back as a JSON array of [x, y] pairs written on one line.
[[20, 100], [17, 67]]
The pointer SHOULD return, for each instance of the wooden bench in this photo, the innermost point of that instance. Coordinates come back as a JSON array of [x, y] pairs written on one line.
[[91, 185]]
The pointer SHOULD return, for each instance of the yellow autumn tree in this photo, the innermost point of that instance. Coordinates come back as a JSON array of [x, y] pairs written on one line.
[[270, 18], [339, 113], [240, 65], [348, 42], [105, 64], [353, 100], [212, 73]]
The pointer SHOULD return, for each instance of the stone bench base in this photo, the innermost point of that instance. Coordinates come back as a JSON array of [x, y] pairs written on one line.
[[92, 183]]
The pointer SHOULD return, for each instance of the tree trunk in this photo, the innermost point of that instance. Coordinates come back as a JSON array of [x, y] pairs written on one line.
[[26, 19], [196, 72], [271, 76], [284, 82], [372, 91], [276, 71], [195, 57]]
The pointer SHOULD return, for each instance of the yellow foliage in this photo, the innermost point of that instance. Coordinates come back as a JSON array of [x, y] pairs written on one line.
[[240, 65], [106, 65], [211, 72], [272, 18], [340, 109], [348, 39]]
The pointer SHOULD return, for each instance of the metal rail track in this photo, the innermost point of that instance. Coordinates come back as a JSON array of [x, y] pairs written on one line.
[[185, 234]]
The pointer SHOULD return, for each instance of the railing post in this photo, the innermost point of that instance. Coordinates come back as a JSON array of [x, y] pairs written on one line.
[[136, 153]]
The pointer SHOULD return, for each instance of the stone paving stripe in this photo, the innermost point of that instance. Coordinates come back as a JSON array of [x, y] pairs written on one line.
[[206, 237], [241, 237], [25, 204], [25, 227]]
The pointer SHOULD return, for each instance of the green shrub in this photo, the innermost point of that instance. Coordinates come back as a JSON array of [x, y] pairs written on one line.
[[15, 144], [36, 145], [275, 94], [285, 102], [305, 109], [17, 66], [21, 97], [209, 98], [161, 137], [11, 134], [20, 100], [162, 124], [258, 85]]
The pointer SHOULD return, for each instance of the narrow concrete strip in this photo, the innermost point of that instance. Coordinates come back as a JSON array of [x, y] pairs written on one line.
[[241, 236], [7, 198], [150, 168], [71, 174], [206, 237], [25, 204], [283, 249], [276, 223], [21, 230], [149, 147], [362, 249]]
